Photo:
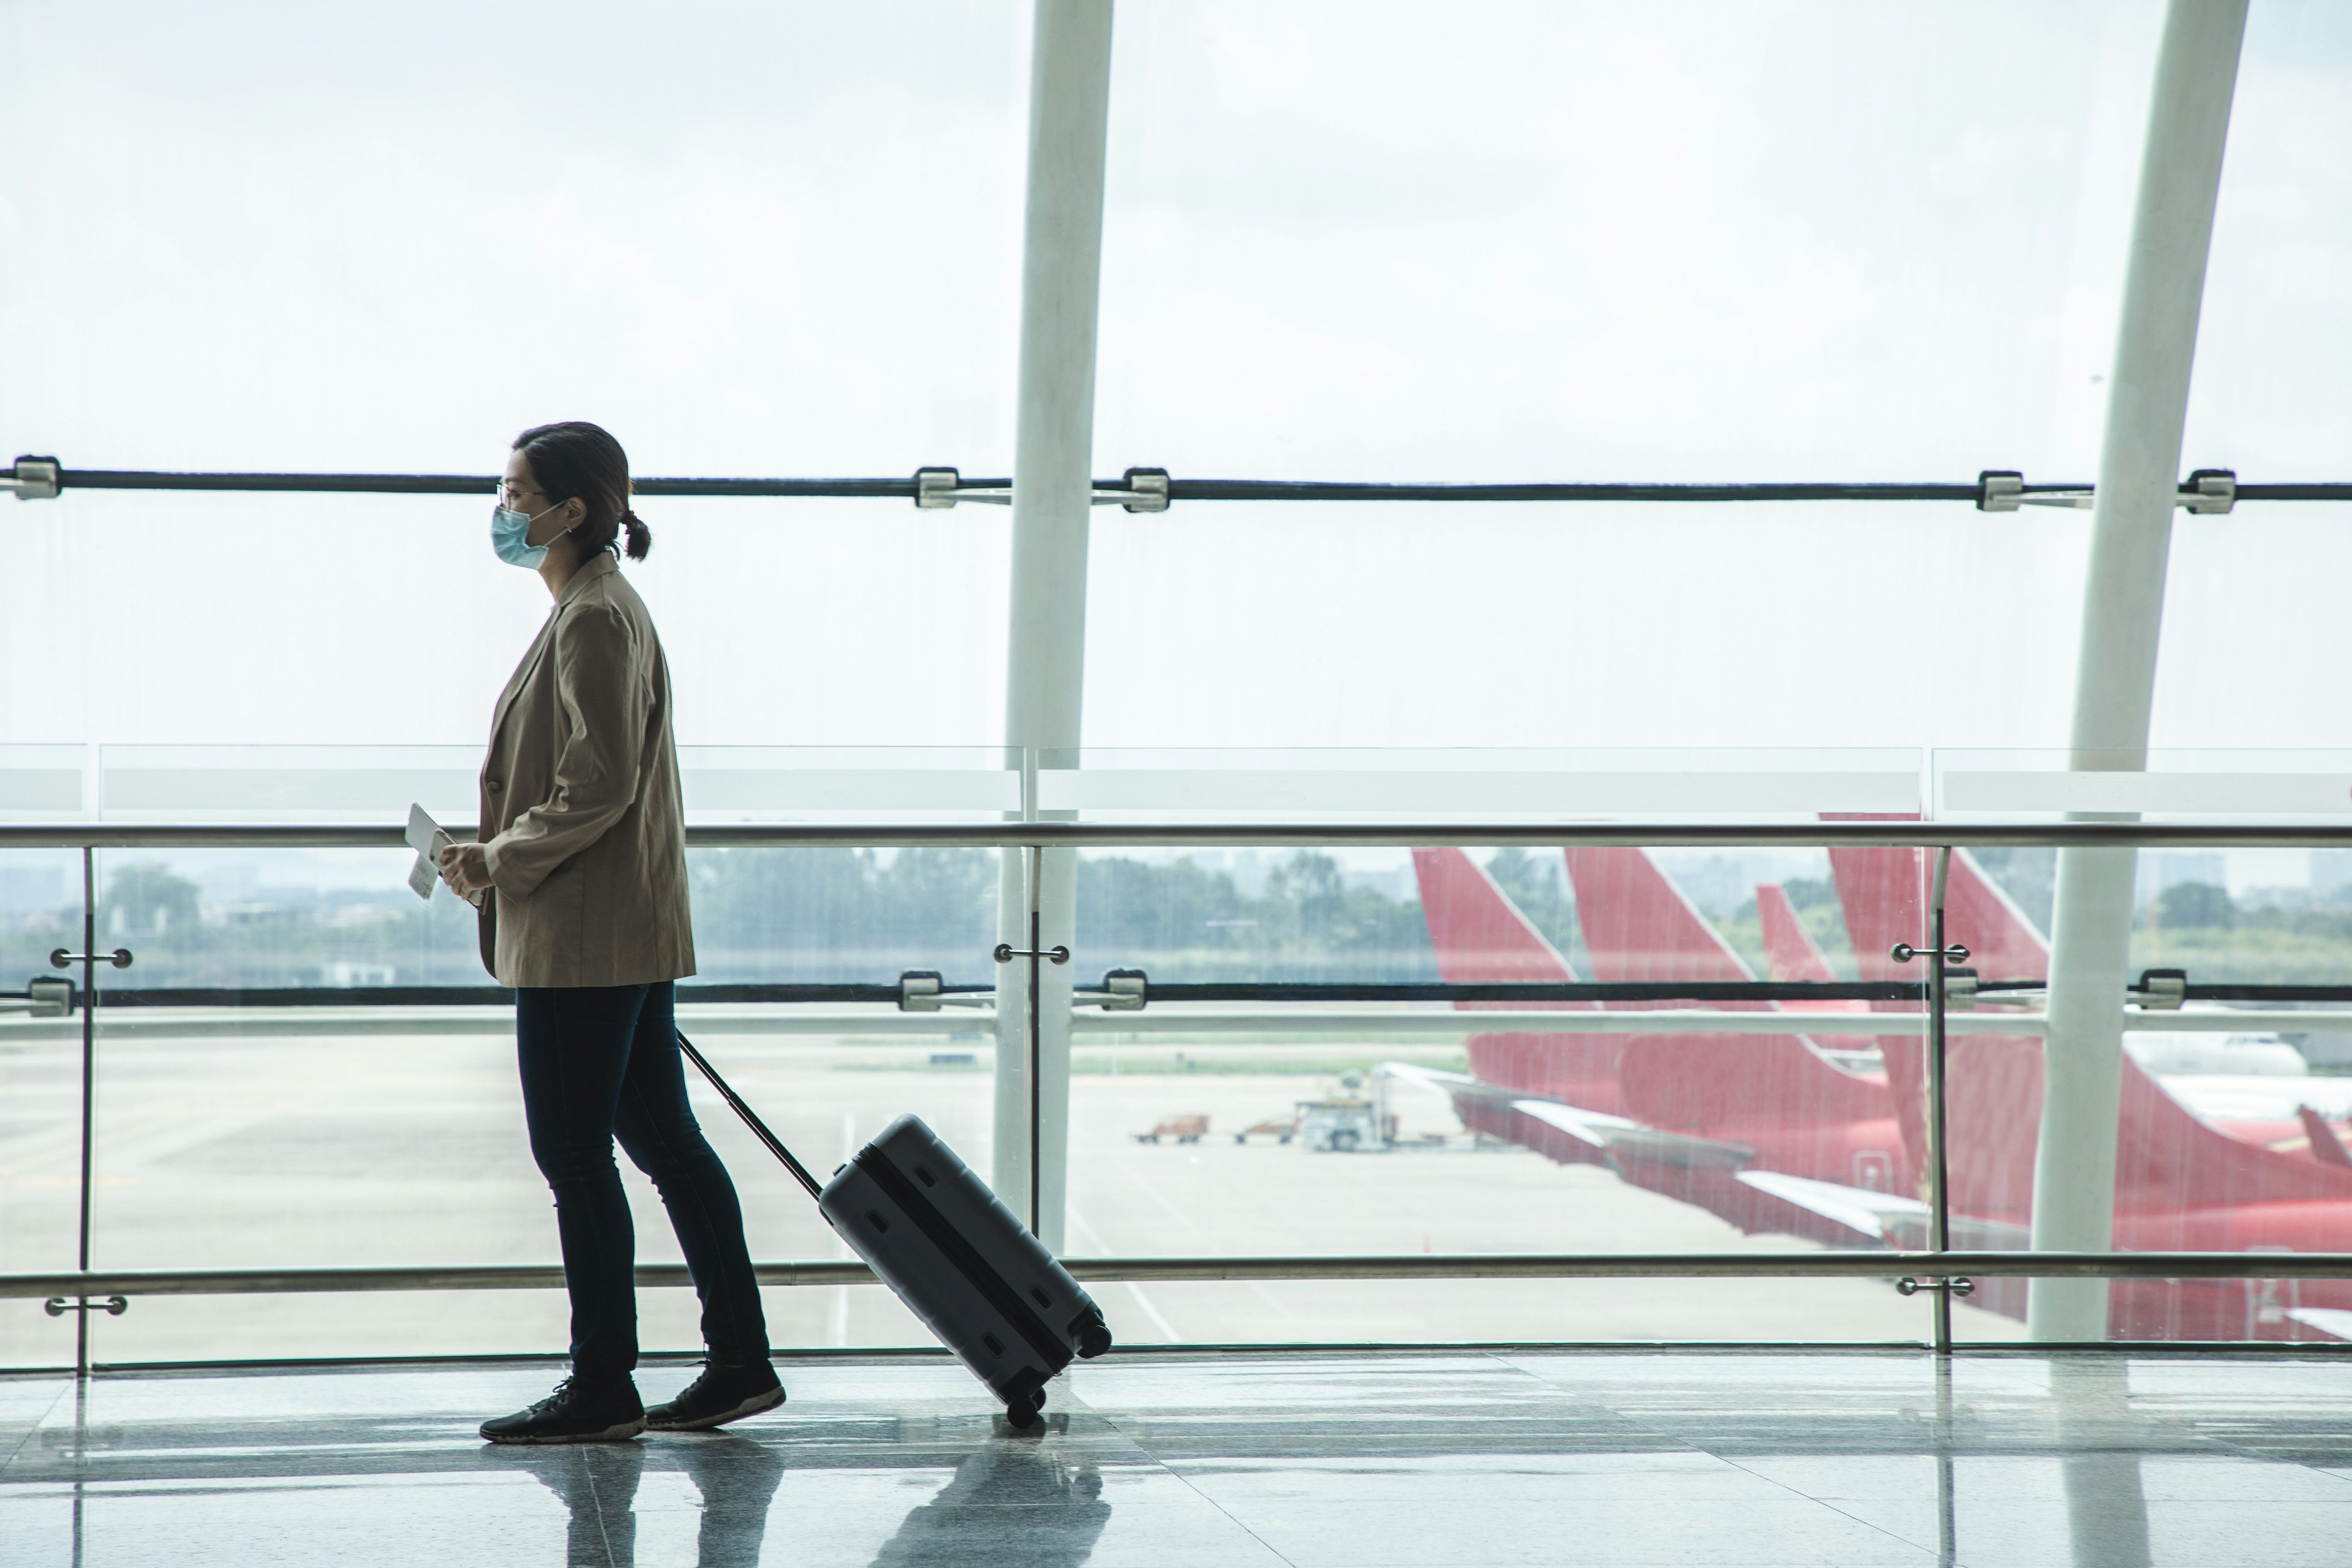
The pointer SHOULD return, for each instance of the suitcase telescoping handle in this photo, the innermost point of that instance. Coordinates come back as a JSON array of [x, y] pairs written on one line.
[[750, 1117]]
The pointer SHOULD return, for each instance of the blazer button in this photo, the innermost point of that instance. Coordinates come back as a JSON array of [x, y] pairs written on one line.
[[494, 785]]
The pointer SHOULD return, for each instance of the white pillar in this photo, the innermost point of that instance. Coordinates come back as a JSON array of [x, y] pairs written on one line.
[[2123, 614], [1053, 488]]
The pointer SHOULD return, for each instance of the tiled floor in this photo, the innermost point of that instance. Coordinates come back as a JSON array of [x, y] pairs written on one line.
[[1353, 1461]]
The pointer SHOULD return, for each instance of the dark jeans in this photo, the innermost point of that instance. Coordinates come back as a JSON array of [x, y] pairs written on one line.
[[601, 1062]]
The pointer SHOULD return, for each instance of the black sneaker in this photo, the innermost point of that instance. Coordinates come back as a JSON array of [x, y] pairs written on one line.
[[574, 1412], [722, 1394]]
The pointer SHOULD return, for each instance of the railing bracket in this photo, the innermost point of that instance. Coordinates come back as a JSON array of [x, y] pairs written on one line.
[[44, 997], [922, 991], [1954, 1284], [112, 1306], [2208, 491], [2161, 990], [1139, 489], [33, 479], [1122, 990]]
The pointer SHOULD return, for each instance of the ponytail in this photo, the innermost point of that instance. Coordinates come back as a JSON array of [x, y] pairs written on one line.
[[641, 538]]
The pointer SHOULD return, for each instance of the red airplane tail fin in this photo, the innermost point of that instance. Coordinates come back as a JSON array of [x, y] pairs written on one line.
[[1638, 927], [1796, 958], [1788, 945], [1481, 937], [1479, 934]]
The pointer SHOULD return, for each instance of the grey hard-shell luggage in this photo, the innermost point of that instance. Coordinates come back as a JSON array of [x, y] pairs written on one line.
[[957, 1257]]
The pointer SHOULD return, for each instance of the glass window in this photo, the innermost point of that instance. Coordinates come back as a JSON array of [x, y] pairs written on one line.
[[1344, 624], [1590, 241], [379, 240], [2272, 393], [374, 620]]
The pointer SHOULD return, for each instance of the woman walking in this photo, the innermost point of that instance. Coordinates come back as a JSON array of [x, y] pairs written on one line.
[[583, 861]]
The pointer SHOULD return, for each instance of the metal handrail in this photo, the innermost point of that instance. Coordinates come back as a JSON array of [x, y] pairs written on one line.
[[1842, 1264], [1908, 834]]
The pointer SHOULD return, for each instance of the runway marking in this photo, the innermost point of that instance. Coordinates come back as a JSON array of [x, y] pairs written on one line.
[[1274, 1302], [1143, 1302]]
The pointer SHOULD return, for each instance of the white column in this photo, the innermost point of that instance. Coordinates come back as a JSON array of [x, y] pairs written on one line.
[[2123, 615], [1061, 273]]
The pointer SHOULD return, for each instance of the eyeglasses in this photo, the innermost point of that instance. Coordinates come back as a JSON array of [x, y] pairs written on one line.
[[508, 491]]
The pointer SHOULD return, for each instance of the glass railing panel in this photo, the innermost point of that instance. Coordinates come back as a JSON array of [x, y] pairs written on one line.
[[287, 783], [43, 783], [863, 784], [254, 919], [234, 1134], [2235, 1030], [1268, 915], [41, 1097], [1291, 1122], [833, 915], [1110, 783], [2205, 785], [378, 784], [2246, 916]]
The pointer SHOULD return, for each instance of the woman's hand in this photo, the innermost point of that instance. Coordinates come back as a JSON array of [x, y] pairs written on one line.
[[466, 869]]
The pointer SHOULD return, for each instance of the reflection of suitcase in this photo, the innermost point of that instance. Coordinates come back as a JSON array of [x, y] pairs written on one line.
[[956, 1255]]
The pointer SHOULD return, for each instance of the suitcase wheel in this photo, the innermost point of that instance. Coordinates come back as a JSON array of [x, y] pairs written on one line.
[[1023, 1413]]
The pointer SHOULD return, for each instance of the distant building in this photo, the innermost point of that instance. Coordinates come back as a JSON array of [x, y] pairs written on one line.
[[32, 888], [2331, 875], [2162, 868]]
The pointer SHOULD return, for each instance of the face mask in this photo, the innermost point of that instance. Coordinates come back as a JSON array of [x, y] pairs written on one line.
[[510, 537]]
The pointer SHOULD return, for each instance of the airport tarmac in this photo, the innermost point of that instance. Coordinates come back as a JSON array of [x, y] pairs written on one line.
[[292, 1150]]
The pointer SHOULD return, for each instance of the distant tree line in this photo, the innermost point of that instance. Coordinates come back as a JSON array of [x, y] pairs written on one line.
[[778, 916], [823, 914]]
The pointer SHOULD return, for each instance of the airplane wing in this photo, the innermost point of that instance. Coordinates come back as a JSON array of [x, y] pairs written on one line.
[[1617, 1136], [1604, 1133], [1707, 1172], [1886, 1217], [2331, 1320]]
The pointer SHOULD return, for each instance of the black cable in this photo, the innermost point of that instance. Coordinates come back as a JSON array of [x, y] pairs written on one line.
[[1178, 489], [1316, 490], [851, 991], [1527, 993], [1543, 992], [465, 484], [470, 996]]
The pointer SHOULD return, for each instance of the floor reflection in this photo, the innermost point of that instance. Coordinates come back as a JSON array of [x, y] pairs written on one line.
[[1442, 1459], [1016, 1490], [735, 1478], [1015, 1484], [2106, 1505]]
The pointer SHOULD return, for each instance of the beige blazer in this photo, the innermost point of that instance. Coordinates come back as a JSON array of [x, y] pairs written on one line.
[[580, 810]]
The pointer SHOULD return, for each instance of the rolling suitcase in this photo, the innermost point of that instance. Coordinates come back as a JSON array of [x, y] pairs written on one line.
[[956, 1255]]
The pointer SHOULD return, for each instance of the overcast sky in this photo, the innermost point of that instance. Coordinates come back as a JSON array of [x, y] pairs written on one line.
[[1360, 240]]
